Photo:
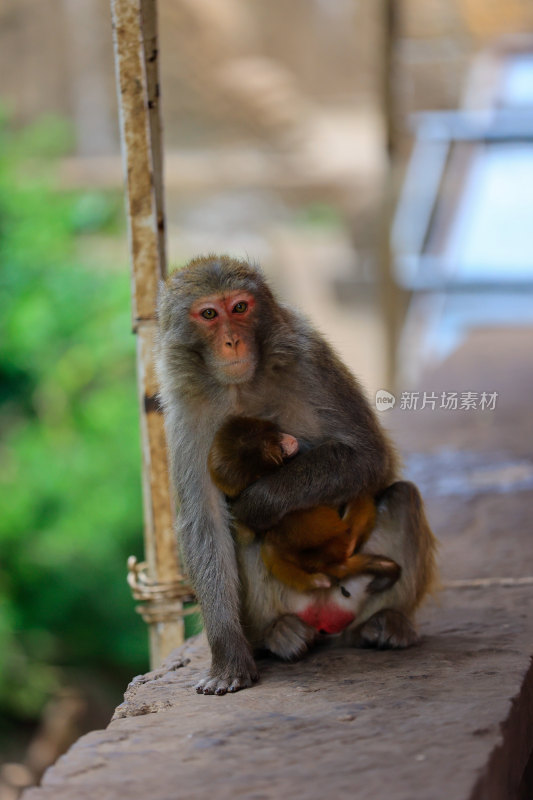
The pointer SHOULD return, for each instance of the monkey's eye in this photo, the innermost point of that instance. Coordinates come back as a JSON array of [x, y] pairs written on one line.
[[209, 313], [240, 308]]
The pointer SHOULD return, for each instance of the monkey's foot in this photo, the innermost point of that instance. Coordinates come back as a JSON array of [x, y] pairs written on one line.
[[230, 679], [389, 573], [289, 637], [386, 629]]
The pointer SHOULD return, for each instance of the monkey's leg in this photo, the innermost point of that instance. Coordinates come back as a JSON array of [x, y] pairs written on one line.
[[403, 533], [386, 630], [302, 530], [333, 551], [289, 638], [386, 571], [361, 515], [313, 539], [281, 632], [290, 573], [358, 521], [212, 565]]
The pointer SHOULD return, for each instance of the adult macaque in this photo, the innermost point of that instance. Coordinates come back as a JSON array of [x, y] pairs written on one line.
[[307, 548], [227, 347]]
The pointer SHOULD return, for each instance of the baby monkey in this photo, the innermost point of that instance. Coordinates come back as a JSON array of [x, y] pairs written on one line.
[[307, 549]]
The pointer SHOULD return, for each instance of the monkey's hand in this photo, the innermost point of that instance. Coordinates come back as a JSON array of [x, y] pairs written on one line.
[[328, 474], [241, 673]]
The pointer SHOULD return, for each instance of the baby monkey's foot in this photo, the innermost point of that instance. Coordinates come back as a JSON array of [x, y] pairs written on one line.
[[388, 629]]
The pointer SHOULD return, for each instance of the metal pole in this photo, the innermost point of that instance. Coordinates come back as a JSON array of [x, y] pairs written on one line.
[[158, 582], [389, 296]]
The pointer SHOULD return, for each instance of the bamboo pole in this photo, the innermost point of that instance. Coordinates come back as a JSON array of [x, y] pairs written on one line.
[[158, 582]]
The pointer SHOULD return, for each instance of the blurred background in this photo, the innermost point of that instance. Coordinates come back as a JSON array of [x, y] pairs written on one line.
[[375, 156]]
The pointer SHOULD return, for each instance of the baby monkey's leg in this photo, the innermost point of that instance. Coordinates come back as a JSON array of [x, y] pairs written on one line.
[[291, 574], [386, 571]]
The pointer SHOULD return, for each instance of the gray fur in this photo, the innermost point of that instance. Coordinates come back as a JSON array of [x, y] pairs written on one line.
[[301, 385]]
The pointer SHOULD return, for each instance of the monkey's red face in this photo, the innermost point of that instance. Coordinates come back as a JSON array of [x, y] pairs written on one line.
[[226, 323]]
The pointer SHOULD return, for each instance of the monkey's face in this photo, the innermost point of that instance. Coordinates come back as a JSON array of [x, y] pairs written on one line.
[[225, 324]]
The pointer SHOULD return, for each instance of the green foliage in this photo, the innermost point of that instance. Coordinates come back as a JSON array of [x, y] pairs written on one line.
[[70, 499], [320, 216]]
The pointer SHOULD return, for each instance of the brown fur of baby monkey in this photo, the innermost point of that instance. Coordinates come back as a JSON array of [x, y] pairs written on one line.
[[306, 549]]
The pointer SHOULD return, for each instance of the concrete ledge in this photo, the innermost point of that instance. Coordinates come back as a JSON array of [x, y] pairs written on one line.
[[449, 719]]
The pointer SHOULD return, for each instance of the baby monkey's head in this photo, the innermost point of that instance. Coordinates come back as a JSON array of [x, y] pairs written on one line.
[[244, 449]]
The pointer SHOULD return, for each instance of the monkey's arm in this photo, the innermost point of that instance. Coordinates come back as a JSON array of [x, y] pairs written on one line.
[[209, 554], [329, 474], [351, 456]]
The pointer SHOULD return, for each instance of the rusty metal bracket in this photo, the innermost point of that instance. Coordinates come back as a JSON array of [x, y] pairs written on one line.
[[161, 601]]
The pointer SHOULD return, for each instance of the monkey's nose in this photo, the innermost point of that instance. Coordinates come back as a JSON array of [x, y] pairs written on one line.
[[232, 341]]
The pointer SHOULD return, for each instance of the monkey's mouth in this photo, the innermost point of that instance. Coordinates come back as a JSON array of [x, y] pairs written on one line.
[[237, 365], [241, 369]]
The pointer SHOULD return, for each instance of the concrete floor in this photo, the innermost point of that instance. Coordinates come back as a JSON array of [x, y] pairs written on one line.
[[449, 719]]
